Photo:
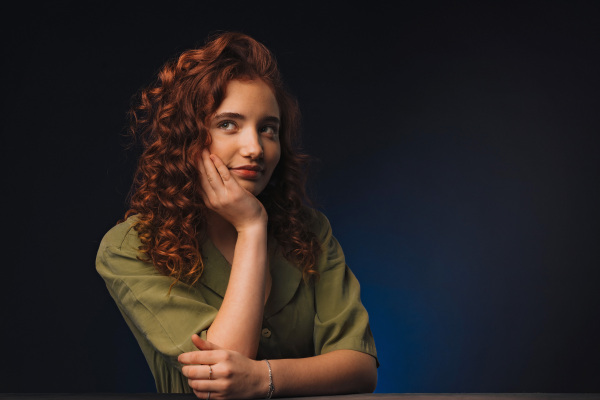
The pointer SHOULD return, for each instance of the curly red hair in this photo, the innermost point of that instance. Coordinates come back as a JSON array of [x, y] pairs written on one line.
[[171, 118]]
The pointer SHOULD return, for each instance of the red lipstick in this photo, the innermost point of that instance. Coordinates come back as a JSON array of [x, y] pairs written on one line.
[[248, 171]]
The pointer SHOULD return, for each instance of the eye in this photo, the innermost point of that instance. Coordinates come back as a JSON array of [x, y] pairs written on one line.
[[270, 130], [226, 125]]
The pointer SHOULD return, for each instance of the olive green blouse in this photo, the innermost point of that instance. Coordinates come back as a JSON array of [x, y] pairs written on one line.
[[300, 320]]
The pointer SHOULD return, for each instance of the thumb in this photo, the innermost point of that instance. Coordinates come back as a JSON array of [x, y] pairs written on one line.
[[202, 344]]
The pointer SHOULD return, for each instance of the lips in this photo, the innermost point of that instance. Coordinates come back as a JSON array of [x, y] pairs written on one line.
[[257, 168], [248, 171]]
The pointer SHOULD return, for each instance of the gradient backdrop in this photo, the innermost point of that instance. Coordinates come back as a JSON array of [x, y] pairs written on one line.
[[456, 156]]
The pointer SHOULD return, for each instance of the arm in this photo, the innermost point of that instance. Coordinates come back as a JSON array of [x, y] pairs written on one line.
[[345, 362], [165, 322], [236, 376], [238, 322], [338, 372]]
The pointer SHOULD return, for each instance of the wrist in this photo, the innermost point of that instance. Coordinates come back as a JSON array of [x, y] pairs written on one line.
[[271, 389], [264, 388], [253, 228]]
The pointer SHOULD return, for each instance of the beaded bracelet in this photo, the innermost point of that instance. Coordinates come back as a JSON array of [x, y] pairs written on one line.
[[271, 387]]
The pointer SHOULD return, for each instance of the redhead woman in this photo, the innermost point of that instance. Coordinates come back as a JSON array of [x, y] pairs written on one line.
[[232, 285]]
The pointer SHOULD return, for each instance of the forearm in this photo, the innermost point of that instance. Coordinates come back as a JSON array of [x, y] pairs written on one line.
[[239, 320], [337, 372]]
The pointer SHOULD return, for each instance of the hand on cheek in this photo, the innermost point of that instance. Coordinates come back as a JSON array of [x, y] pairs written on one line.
[[223, 194]]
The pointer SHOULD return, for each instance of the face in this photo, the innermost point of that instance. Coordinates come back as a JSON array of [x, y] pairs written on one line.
[[245, 133]]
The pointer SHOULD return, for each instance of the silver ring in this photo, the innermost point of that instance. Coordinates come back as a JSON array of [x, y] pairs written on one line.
[[209, 375], [208, 396]]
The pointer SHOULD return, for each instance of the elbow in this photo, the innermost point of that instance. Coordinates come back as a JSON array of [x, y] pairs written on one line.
[[367, 377], [363, 375], [370, 381]]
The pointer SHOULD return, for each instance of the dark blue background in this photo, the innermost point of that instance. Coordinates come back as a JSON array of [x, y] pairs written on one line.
[[456, 156]]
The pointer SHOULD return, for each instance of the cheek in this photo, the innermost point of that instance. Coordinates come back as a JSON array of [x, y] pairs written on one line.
[[219, 148]]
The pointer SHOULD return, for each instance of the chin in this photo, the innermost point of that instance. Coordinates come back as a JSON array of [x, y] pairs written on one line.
[[256, 192], [252, 188]]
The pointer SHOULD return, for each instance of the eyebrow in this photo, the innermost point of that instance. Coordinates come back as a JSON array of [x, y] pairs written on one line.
[[241, 117]]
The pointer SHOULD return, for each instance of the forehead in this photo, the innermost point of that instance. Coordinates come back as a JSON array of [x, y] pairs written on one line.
[[249, 97]]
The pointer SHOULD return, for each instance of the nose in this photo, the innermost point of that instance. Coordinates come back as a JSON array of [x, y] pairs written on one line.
[[251, 145]]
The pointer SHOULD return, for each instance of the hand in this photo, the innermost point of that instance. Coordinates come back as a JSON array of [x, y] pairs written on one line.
[[233, 376], [222, 194]]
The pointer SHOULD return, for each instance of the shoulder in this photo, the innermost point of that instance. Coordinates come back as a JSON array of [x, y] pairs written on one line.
[[122, 236], [332, 255], [318, 224], [119, 253]]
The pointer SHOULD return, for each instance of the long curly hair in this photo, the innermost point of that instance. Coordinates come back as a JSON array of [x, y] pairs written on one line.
[[171, 119]]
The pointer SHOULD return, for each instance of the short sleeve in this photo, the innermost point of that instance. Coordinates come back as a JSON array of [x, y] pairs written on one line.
[[166, 320], [341, 320]]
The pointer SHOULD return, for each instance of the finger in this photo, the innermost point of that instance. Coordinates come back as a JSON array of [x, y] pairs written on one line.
[[198, 372], [213, 176], [203, 344], [204, 395], [203, 357], [221, 167], [204, 182], [201, 395], [203, 385]]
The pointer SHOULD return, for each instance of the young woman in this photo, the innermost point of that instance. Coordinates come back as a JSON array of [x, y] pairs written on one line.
[[231, 284]]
